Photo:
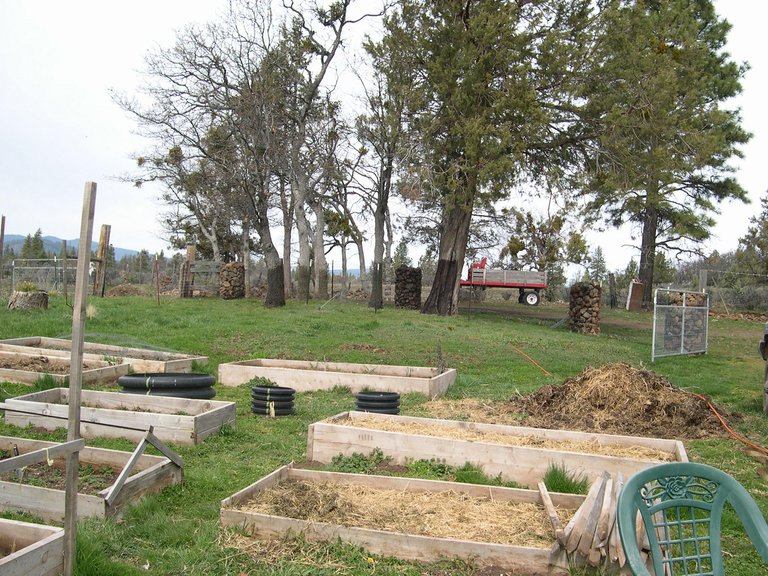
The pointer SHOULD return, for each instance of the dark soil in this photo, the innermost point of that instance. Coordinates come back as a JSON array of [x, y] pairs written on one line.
[[93, 478], [40, 364]]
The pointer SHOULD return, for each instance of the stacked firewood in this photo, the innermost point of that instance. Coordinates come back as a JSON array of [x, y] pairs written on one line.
[[593, 533], [408, 288], [232, 281], [584, 309]]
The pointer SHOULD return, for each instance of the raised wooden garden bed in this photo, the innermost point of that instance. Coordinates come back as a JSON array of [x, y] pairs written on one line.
[[30, 549], [149, 474], [244, 511], [305, 376], [118, 415], [140, 360], [518, 453], [30, 366]]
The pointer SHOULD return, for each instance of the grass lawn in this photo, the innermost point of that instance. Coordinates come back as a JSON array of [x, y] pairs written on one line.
[[516, 349]]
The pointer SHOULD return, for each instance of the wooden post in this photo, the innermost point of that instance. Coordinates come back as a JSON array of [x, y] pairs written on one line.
[[157, 279], [2, 240], [76, 375], [187, 276], [702, 280], [64, 267], [100, 277]]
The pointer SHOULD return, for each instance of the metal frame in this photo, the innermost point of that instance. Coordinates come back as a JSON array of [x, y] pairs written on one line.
[[683, 311]]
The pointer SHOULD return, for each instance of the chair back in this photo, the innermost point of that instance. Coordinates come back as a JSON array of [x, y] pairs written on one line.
[[673, 512]]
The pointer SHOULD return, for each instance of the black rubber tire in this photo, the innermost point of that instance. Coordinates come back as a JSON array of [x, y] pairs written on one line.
[[166, 380], [279, 410], [273, 391], [266, 403], [261, 395], [194, 393], [374, 405], [377, 397], [382, 410]]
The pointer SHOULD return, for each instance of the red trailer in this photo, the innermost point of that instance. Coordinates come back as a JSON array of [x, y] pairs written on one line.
[[528, 282]]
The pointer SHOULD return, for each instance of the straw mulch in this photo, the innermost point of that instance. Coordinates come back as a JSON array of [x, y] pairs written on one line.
[[613, 399], [620, 399], [435, 514], [472, 435]]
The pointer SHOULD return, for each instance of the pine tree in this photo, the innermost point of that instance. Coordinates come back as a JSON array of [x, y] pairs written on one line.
[[663, 137]]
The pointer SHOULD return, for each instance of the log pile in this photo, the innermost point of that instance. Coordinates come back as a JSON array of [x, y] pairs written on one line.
[[408, 288], [232, 281], [593, 533], [37, 299], [584, 309]]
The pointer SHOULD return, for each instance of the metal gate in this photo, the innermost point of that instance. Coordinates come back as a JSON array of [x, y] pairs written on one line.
[[680, 322]]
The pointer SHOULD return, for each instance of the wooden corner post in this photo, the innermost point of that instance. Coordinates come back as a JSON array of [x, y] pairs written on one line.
[[100, 277], [76, 374]]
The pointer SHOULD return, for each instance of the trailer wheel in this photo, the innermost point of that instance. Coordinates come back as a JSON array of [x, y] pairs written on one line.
[[532, 298]]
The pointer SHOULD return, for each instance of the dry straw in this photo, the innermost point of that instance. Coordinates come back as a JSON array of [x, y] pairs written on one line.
[[436, 514]]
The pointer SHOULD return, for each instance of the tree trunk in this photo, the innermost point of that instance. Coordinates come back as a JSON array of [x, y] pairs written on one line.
[[648, 253], [302, 266], [380, 225], [376, 299], [318, 249], [286, 205], [343, 289], [363, 274], [246, 256], [443, 298], [275, 289]]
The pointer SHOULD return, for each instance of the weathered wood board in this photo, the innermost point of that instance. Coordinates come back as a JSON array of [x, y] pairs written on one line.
[[305, 376], [151, 474], [119, 415], [523, 464], [100, 371], [30, 549], [140, 360], [528, 560]]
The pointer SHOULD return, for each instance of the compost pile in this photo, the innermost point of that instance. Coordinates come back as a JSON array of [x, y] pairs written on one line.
[[620, 399]]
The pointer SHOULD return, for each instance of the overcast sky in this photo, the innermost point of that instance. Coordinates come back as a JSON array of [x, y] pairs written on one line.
[[59, 127]]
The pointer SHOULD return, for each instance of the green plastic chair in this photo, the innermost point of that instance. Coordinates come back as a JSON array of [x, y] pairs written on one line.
[[681, 506]]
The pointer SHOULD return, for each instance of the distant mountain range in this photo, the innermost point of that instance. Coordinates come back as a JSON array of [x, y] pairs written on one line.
[[53, 244]]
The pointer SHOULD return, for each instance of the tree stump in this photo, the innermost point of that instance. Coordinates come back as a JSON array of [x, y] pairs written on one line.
[[28, 300]]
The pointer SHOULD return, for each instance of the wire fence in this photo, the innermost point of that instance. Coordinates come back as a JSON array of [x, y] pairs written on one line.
[[680, 322]]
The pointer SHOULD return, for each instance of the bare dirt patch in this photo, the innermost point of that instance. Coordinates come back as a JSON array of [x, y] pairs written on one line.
[[613, 399]]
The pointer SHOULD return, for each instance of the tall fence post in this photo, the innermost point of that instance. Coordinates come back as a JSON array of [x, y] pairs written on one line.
[[100, 277], [76, 375], [2, 241]]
